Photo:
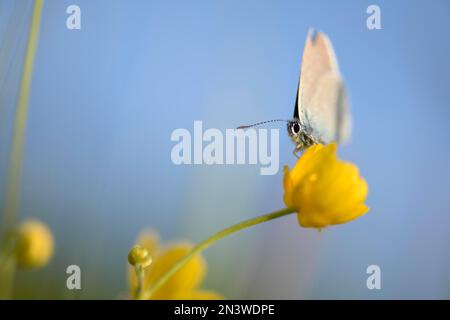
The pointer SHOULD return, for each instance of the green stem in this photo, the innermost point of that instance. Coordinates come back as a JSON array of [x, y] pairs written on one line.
[[15, 160], [146, 294], [7, 265], [140, 279]]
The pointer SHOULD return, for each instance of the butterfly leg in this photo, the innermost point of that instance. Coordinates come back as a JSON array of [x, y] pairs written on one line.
[[297, 149]]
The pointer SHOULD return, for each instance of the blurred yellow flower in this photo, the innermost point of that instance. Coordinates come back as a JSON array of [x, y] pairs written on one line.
[[324, 190], [34, 246], [185, 283]]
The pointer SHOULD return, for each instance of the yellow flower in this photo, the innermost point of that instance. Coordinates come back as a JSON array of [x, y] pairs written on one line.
[[34, 246], [184, 284], [323, 189]]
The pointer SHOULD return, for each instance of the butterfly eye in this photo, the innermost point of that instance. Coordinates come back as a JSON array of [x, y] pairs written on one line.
[[295, 127]]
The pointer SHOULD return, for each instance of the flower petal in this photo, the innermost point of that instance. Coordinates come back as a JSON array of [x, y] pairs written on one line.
[[197, 295], [186, 279]]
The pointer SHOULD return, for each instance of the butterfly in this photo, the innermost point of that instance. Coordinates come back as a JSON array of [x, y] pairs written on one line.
[[321, 113]]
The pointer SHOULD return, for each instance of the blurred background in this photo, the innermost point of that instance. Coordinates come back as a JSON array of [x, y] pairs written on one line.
[[105, 99]]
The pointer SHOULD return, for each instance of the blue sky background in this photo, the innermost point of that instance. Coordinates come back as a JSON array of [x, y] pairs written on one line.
[[105, 99]]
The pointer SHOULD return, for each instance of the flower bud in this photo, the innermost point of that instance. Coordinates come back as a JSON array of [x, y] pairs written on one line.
[[139, 256], [34, 246]]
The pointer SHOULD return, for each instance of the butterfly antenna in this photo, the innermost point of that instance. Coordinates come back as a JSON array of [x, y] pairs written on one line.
[[261, 123]]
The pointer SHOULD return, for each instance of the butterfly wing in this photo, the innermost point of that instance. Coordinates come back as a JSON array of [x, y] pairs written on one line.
[[322, 103]]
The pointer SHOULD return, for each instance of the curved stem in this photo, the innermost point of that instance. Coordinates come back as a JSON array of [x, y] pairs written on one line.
[[15, 161], [146, 294], [7, 265]]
